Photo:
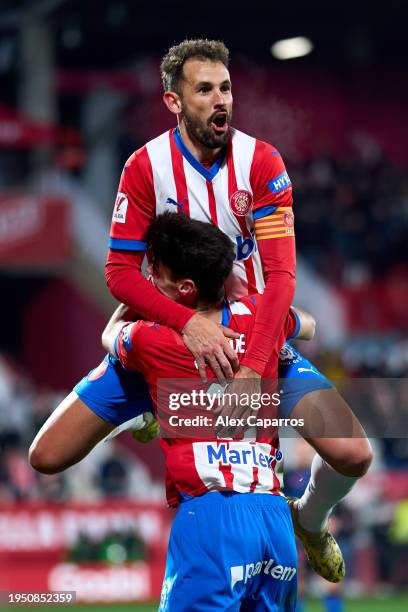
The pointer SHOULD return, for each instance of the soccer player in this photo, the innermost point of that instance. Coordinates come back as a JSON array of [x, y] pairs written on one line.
[[213, 173], [232, 542]]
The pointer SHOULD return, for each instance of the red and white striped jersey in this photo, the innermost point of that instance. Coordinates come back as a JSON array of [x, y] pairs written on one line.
[[246, 184], [194, 466]]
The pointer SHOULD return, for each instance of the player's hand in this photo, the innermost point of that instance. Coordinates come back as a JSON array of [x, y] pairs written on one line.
[[208, 343], [244, 385]]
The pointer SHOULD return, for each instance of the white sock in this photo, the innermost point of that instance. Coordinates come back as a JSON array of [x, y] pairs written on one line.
[[325, 489]]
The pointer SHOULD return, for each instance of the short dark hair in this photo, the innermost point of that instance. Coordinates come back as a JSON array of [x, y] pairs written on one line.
[[192, 249], [171, 67]]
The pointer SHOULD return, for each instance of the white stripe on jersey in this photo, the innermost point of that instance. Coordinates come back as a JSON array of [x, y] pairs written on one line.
[[238, 308], [163, 179], [210, 474], [197, 193]]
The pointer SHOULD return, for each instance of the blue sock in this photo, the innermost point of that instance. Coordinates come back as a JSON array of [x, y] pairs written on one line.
[[300, 605], [333, 603]]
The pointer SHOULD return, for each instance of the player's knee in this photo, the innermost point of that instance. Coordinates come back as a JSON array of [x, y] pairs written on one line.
[[359, 458], [41, 459]]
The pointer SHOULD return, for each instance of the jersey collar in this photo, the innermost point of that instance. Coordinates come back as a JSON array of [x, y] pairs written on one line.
[[208, 173]]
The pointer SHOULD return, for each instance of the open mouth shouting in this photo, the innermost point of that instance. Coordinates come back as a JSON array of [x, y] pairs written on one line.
[[219, 122]]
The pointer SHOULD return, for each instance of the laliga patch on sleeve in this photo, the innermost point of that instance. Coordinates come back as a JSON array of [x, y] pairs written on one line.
[[279, 183], [120, 208]]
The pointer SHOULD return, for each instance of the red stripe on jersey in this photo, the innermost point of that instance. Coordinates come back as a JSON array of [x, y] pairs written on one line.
[[179, 176], [232, 188], [226, 471], [255, 480], [212, 203]]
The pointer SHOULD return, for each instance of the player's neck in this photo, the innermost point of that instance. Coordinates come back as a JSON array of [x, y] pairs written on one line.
[[203, 154], [214, 313]]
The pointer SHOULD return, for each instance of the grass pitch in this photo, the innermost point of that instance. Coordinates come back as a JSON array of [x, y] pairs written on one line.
[[396, 604]]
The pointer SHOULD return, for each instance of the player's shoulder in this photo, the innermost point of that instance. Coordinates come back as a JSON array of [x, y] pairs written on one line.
[[266, 152], [142, 332], [142, 156], [245, 306], [261, 147]]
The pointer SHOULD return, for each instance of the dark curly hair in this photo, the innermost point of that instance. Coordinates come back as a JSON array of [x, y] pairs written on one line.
[[192, 249], [171, 67]]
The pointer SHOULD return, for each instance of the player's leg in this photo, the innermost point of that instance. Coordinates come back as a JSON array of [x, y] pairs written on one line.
[[340, 461], [272, 582], [343, 457], [104, 399], [67, 436], [197, 577]]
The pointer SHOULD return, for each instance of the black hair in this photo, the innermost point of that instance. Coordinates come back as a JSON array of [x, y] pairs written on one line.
[[192, 249]]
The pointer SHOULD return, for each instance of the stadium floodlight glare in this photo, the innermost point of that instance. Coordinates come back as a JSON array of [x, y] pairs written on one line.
[[290, 48]]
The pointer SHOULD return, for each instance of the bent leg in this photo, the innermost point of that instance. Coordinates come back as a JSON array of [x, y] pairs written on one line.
[[104, 399], [335, 433], [67, 436], [331, 428]]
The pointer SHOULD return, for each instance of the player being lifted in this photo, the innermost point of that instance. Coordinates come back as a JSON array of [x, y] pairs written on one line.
[[214, 173], [244, 522]]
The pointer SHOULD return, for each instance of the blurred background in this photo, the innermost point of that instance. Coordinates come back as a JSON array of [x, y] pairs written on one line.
[[79, 91]]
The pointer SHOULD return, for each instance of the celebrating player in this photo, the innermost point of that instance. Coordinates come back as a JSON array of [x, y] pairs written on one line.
[[254, 563], [213, 173]]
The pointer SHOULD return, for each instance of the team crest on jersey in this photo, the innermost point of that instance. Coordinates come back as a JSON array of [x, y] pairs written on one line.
[[289, 219], [241, 202], [120, 208]]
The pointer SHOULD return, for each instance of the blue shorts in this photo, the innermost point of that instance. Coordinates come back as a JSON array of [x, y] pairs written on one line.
[[297, 377], [231, 551], [118, 395], [113, 393]]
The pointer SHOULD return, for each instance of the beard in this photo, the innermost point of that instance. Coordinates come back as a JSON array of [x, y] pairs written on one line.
[[202, 132]]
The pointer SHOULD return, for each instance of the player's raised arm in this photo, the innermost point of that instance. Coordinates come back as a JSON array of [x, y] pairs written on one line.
[[275, 237]]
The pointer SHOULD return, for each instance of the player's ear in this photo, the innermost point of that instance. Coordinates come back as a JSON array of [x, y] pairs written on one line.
[[187, 288], [172, 101]]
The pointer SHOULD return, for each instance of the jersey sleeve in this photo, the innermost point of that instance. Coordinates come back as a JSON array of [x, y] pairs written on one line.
[[270, 182], [135, 204], [292, 325], [128, 346], [275, 236]]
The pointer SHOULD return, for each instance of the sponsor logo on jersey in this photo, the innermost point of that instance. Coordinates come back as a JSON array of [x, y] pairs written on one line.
[[243, 573], [179, 205], [245, 246], [120, 208], [239, 454], [241, 202], [279, 183]]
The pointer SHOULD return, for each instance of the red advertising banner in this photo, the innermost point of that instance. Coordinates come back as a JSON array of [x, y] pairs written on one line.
[[34, 230], [37, 543], [20, 132]]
